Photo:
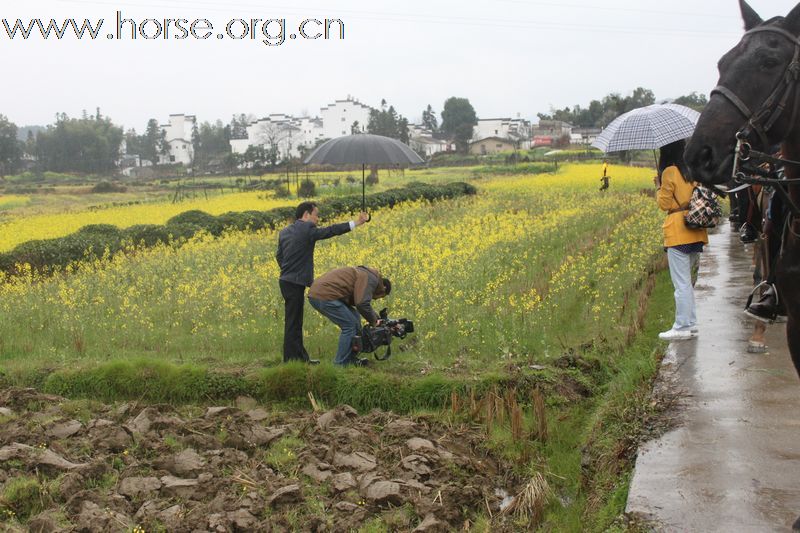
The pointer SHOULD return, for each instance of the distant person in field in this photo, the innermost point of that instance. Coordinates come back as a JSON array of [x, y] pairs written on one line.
[[342, 295], [605, 177], [683, 244], [295, 257]]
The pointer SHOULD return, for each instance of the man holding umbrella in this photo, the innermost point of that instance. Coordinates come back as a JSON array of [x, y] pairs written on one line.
[[295, 257]]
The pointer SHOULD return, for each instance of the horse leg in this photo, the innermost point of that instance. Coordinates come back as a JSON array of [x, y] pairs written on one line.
[[787, 272]]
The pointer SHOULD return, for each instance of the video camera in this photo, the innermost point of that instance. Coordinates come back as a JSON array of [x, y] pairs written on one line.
[[373, 337]]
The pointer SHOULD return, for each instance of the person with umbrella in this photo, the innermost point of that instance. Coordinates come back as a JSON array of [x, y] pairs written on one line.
[[363, 149], [665, 127], [683, 244], [295, 257]]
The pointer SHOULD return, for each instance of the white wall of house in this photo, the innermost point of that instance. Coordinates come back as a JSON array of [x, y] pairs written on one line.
[[428, 145], [517, 130], [338, 117], [291, 134], [179, 137]]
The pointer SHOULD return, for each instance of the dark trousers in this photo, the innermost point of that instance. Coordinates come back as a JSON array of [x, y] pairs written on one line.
[[294, 298]]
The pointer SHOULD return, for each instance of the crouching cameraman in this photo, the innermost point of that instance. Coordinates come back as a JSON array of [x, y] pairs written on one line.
[[341, 295]]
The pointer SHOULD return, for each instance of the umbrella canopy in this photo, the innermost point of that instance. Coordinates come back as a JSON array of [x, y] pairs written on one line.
[[648, 128], [363, 149]]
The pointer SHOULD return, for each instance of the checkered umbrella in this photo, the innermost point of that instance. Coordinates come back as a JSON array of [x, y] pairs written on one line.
[[648, 128]]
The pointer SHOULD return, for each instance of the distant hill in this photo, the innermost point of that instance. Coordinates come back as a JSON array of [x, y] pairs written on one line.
[[22, 131]]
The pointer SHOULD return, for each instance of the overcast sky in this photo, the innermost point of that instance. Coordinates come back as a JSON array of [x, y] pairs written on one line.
[[508, 57]]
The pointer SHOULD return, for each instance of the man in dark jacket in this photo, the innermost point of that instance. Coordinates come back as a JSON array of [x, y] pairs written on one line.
[[341, 295], [296, 260]]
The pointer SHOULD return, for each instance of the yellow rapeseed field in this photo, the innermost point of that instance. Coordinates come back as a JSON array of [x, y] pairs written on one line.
[[48, 226], [530, 266], [8, 201]]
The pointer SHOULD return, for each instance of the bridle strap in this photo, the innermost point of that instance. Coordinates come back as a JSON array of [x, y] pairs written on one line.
[[735, 100], [774, 105], [772, 29]]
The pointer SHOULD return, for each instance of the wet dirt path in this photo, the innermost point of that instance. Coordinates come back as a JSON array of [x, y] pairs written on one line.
[[733, 461]]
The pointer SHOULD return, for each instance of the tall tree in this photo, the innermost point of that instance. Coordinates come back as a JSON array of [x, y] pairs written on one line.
[[10, 147], [388, 122], [459, 120], [88, 145], [197, 146], [152, 141], [429, 119], [163, 144]]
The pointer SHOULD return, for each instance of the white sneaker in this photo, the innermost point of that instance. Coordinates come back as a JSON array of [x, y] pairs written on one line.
[[695, 330], [677, 334]]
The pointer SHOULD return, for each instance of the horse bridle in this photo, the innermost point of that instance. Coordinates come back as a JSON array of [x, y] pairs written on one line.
[[772, 108], [761, 121]]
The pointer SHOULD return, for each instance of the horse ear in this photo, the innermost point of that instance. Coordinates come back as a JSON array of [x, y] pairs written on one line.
[[793, 20], [751, 18]]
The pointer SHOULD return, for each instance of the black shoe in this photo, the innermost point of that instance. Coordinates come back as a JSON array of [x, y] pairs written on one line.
[[766, 308], [302, 360], [747, 233], [361, 362]]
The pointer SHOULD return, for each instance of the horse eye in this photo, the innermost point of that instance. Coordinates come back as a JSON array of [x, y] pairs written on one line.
[[770, 63]]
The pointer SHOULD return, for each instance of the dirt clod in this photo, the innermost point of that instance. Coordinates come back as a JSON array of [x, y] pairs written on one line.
[[247, 468]]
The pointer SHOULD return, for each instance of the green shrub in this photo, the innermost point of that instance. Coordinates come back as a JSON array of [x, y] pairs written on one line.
[[147, 234], [199, 219], [307, 189], [105, 186]]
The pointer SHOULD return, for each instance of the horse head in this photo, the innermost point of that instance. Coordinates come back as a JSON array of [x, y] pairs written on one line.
[[756, 96]]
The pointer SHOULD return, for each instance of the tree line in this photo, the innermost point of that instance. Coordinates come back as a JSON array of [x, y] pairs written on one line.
[[93, 144], [599, 113]]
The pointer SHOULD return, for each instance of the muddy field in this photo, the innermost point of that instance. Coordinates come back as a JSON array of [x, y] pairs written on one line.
[[85, 466]]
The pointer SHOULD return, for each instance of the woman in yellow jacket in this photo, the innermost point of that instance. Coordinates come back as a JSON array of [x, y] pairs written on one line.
[[683, 245]]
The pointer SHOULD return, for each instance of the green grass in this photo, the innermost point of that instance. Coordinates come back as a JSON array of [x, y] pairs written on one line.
[[22, 498], [592, 449], [282, 454]]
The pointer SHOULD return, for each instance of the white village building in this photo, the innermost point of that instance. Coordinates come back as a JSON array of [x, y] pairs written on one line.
[[290, 136], [515, 130], [339, 117], [286, 134], [425, 142], [179, 139]]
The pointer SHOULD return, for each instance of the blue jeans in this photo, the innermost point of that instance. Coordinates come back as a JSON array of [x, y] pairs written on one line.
[[348, 320], [680, 270]]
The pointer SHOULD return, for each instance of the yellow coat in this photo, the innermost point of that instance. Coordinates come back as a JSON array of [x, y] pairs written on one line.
[[674, 193]]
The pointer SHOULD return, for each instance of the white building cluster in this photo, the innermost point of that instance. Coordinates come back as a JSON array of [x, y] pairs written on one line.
[[516, 131], [291, 135], [288, 136]]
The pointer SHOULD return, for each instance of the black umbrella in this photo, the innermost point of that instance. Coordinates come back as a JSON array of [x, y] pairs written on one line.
[[365, 149]]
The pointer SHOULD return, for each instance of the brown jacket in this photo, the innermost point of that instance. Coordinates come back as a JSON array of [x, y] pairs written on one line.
[[355, 286], [673, 195]]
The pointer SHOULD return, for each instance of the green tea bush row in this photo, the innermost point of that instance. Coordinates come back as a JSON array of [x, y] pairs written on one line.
[[96, 240]]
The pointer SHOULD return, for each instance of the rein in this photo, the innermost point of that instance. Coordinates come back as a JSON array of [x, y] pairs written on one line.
[[748, 169]]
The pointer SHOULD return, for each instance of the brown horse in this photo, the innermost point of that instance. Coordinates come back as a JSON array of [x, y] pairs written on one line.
[[757, 101]]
